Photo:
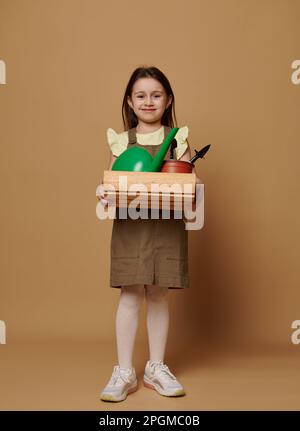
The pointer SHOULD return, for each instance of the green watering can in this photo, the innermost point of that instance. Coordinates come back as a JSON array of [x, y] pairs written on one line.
[[139, 160]]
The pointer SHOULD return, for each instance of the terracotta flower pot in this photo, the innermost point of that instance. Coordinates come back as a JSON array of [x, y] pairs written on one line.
[[177, 166]]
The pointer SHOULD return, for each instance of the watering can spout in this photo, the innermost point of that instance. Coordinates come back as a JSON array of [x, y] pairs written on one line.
[[159, 158]]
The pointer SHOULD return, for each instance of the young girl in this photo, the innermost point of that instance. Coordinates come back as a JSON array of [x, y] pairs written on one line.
[[148, 256]]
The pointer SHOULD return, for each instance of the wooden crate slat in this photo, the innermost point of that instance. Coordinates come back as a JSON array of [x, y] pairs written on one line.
[[147, 178]]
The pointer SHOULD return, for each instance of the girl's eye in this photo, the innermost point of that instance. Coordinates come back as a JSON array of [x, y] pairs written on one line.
[[157, 95]]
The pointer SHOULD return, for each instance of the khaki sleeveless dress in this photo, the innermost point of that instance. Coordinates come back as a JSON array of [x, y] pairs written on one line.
[[149, 251]]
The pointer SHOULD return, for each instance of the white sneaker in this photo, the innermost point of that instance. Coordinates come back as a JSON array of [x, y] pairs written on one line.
[[158, 376], [122, 382]]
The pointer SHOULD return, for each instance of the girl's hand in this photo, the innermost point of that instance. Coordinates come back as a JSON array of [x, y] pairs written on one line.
[[100, 194]]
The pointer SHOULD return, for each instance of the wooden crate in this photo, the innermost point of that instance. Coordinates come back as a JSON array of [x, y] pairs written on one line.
[[121, 187]]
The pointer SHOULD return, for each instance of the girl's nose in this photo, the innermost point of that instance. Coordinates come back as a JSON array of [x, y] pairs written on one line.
[[148, 102]]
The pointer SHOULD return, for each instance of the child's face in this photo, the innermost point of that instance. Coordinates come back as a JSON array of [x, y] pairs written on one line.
[[148, 100]]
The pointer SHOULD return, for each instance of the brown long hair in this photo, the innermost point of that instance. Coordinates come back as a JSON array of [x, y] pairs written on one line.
[[128, 115]]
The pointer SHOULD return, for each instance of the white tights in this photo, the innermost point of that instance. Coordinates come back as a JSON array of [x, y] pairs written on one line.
[[127, 318]]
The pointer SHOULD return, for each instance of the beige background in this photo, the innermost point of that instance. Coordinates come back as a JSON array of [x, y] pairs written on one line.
[[229, 63]]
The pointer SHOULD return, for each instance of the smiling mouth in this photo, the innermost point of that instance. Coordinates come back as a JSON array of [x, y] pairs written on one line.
[[148, 109]]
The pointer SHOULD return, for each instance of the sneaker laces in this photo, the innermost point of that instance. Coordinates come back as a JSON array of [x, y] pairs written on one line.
[[162, 369], [119, 376]]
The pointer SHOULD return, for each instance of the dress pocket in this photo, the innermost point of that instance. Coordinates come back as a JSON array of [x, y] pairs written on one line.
[[125, 255], [175, 265], [176, 258], [124, 265]]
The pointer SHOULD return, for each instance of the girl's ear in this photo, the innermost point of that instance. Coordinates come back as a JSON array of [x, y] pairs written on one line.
[[169, 101], [129, 102]]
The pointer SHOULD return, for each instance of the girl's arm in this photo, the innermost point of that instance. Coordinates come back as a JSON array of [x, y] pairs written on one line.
[[100, 195], [186, 157], [111, 161]]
